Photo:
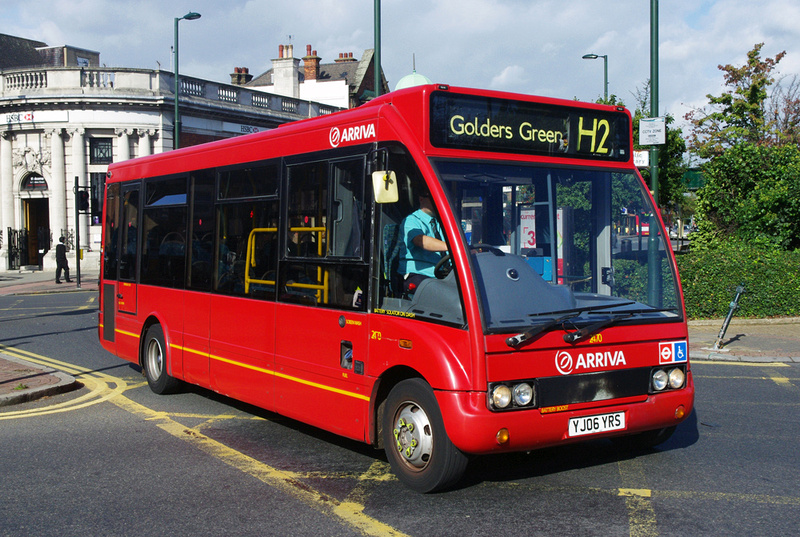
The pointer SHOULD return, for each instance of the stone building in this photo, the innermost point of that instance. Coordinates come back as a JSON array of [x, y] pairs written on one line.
[[65, 118]]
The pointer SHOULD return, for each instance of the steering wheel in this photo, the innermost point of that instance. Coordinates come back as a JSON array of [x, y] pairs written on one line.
[[443, 267]]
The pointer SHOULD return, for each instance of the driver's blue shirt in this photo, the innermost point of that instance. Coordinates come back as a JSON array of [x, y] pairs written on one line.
[[413, 259]]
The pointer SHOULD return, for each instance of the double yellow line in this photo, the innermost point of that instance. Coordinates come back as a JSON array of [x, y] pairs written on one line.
[[103, 387]]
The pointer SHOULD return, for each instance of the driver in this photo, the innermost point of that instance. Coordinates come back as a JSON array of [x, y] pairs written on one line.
[[422, 244]]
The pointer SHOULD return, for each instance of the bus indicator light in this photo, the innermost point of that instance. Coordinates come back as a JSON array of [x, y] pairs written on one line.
[[502, 436]]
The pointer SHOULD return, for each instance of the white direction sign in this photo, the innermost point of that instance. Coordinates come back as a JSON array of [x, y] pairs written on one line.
[[641, 158], [652, 131]]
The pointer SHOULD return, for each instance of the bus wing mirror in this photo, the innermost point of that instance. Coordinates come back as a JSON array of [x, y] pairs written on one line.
[[384, 185]]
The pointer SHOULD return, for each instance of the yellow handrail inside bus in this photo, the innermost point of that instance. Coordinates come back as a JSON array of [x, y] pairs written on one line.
[[251, 258], [322, 276]]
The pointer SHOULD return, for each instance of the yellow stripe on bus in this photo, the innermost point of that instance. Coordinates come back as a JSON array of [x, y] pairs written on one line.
[[275, 373], [124, 333]]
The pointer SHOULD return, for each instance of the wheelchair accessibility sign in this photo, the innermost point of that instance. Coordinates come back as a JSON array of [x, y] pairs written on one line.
[[674, 352]]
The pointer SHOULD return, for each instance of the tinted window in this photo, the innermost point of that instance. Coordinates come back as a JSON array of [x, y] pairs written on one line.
[[249, 181]]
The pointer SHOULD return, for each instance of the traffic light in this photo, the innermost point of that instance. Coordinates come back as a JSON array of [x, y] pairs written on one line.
[[83, 201]]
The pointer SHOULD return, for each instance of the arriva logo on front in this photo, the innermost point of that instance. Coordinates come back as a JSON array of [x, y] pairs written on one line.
[[566, 365], [351, 134]]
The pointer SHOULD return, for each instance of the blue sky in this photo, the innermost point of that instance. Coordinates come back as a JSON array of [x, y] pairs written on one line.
[[527, 46]]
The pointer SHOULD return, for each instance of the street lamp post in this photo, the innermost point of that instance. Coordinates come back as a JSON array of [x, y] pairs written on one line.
[[177, 117], [605, 71]]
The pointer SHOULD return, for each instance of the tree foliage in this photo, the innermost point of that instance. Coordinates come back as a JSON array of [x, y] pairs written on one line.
[[742, 113], [752, 193], [750, 136]]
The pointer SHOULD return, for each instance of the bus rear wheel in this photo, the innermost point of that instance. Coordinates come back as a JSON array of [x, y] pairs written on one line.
[[415, 441], [155, 362]]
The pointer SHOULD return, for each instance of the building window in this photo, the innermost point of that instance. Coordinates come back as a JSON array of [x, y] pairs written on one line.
[[33, 182], [101, 151]]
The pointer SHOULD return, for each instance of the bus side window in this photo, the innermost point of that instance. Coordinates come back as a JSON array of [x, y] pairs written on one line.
[[164, 232], [324, 263], [408, 283], [110, 250], [201, 229], [235, 222], [130, 233]]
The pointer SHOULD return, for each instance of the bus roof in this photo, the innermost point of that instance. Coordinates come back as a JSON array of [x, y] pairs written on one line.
[[499, 133]]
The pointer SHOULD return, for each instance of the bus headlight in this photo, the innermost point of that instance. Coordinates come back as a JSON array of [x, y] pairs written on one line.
[[512, 395], [676, 378], [523, 394], [501, 396], [660, 379]]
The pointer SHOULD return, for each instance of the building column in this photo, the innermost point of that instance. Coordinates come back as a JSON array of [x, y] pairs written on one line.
[[6, 193], [79, 170], [58, 184], [123, 144], [144, 142]]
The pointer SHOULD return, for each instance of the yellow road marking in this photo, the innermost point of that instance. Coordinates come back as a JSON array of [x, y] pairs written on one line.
[[742, 364], [641, 515], [287, 482], [638, 498], [793, 501], [99, 385], [781, 381], [350, 511]]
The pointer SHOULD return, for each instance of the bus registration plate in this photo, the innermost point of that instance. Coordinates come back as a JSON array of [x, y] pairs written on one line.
[[596, 424]]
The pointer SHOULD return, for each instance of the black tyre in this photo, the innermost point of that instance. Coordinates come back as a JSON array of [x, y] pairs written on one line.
[[154, 362], [415, 441]]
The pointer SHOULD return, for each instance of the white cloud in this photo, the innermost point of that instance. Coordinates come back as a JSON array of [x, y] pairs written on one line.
[[531, 46], [512, 78]]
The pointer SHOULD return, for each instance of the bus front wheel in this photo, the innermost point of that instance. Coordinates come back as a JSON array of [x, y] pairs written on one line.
[[155, 362], [415, 440]]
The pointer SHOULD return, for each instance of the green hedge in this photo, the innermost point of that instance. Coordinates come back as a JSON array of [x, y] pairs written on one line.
[[710, 276]]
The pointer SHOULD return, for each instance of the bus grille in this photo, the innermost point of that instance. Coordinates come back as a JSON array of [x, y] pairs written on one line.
[[573, 389]]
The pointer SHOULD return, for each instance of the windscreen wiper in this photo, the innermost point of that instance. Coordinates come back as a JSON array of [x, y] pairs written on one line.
[[586, 331], [517, 340], [583, 333]]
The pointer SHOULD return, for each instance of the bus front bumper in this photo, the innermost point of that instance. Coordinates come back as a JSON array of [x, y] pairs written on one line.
[[474, 429]]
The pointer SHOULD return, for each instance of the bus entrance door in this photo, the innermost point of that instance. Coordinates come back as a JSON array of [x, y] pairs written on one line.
[[320, 364], [126, 296]]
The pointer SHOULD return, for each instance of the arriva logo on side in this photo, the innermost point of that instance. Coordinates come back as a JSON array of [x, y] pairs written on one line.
[[351, 134], [567, 365]]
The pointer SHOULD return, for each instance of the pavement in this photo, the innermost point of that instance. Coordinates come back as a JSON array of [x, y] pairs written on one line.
[[745, 340]]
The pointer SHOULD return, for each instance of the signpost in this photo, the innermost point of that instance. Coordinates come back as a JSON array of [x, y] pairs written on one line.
[[652, 131]]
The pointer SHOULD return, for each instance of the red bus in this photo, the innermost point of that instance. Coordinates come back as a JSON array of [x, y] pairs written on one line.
[[269, 268]]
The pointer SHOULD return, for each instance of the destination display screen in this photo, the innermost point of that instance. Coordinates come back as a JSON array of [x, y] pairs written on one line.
[[488, 124]]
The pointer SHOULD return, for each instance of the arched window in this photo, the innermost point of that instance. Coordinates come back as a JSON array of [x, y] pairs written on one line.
[[33, 182]]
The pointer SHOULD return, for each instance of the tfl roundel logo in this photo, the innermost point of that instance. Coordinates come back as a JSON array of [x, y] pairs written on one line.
[[673, 352], [564, 363]]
